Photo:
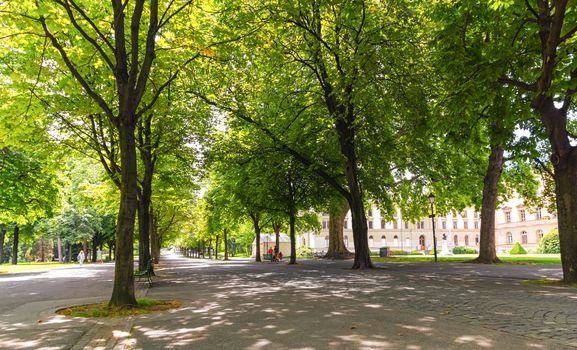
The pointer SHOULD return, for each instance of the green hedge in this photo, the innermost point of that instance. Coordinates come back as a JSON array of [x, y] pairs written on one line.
[[549, 244], [518, 249], [464, 250]]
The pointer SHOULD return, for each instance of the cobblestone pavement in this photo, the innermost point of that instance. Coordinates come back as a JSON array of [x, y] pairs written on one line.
[[313, 305], [317, 305]]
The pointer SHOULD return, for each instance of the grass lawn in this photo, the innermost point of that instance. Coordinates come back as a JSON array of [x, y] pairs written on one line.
[[29, 266], [527, 259]]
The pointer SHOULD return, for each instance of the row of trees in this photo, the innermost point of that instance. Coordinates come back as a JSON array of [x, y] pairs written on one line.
[[291, 107]]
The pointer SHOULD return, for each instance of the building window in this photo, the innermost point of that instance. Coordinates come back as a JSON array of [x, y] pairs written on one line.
[[395, 241], [522, 215], [346, 239], [395, 224], [476, 225], [444, 224], [370, 224], [524, 237], [327, 241], [370, 212], [467, 240], [371, 241], [509, 238], [421, 242], [455, 225], [383, 240], [422, 225], [477, 240], [346, 224], [476, 214], [539, 214], [406, 225], [463, 214], [407, 242], [456, 240], [508, 216], [539, 235], [466, 223], [325, 224]]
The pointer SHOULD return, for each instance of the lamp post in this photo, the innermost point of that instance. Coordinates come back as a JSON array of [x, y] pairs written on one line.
[[432, 216]]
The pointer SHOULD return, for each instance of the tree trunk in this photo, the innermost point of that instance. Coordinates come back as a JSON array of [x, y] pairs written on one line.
[[123, 290], [216, 247], [59, 244], [255, 223], [85, 249], [2, 236], [15, 245], [148, 160], [225, 244], [487, 249], [154, 246], [276, 228], [95, 248], [337, 216], [293, 259], [346, 132]]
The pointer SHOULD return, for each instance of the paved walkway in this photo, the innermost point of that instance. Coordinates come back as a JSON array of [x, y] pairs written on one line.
[[325, 305]]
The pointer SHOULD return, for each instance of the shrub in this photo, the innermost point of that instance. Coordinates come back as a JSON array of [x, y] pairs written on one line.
[[518, 249], [549, 244], [464, 250]]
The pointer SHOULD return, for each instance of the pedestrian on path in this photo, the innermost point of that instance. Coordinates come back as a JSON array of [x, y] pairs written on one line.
[[81, 257]]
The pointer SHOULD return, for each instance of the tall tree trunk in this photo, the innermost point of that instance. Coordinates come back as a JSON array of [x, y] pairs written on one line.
[[154, 246], [255, 222], [487, 249], [85, 249], [42, 255], [148, 160], [123, 290], [225, 244], [69, 251], [337, 216], [276, 228], [15, 245], [292, 219], [355, 199], [2, 236], [216, 247], [59, 244]]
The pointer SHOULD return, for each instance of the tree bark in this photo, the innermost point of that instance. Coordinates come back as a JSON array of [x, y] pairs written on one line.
[[487, 249], [154, 243], [216, 247], [293, 258], [148, 160], [276, 228], [2, 236], [255, 222], [15, 245], [123, 290], [225, 244], [337, 216], [59, 244]]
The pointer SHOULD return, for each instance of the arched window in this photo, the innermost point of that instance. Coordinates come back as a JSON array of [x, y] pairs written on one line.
[[395, 241], [327, 241], [467, 240], [371, 241], [346, 239], [524, 237], [383, 240], [539, 235], [476, 239], [422, 242], [407, 242], [456, 240], [509, 238]]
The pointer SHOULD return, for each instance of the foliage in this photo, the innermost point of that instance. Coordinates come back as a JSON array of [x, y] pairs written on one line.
[[517, 249], [549, 244], [464, 250]]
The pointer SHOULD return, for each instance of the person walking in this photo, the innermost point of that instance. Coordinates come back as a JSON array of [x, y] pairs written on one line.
[[81, 257]]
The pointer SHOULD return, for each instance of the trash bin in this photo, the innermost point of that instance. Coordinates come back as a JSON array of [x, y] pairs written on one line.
[[384, 252]]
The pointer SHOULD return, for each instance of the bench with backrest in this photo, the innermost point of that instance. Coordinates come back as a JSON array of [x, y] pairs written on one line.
[[148, 273]]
